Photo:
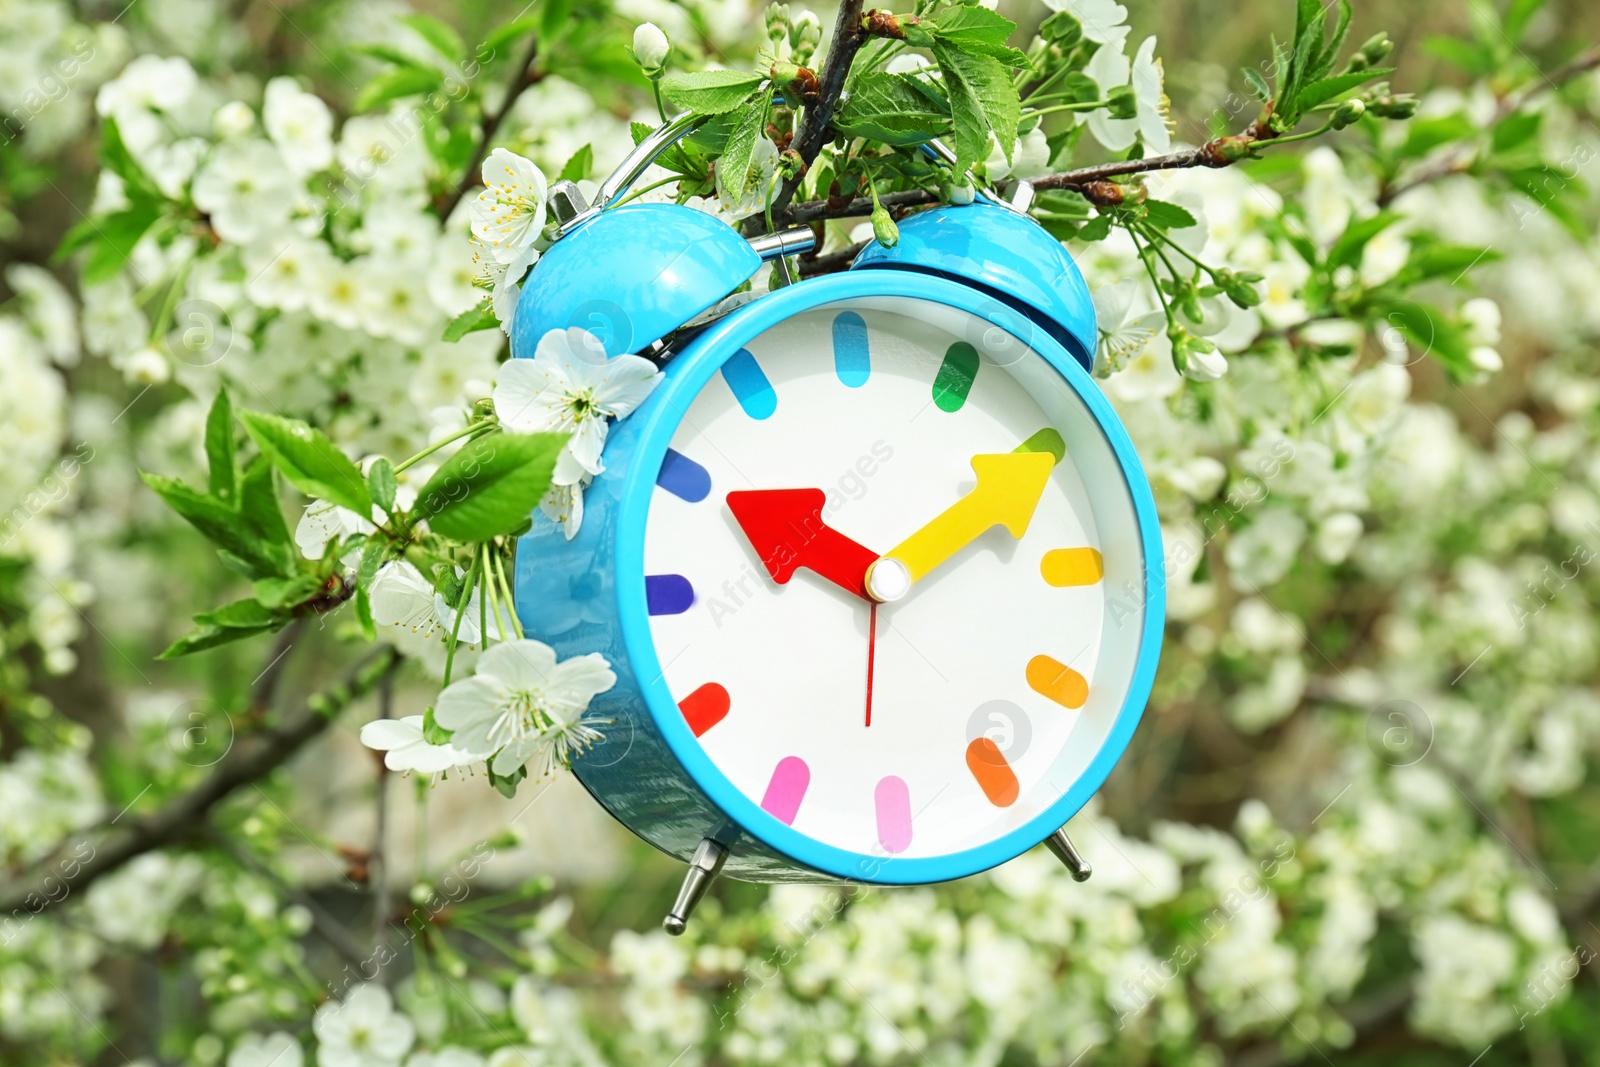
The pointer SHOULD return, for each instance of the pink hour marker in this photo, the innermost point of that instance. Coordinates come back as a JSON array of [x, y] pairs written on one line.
[[893, 801], [787, 789]]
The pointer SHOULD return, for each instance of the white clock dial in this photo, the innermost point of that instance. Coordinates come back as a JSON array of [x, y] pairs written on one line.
[[996, 669]]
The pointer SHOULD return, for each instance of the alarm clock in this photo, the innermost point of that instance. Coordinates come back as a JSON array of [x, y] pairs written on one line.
[[876, 565]]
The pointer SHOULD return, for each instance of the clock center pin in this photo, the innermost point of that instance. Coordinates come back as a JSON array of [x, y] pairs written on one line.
[[888, 580]]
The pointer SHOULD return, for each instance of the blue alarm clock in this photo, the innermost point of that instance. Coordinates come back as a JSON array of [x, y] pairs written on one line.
[[876, 565]]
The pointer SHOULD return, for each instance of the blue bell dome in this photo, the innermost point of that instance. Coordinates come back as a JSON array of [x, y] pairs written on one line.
[[1007, 255], [630, 276]]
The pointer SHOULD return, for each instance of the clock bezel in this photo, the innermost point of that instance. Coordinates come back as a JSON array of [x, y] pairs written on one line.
[[688, 375]]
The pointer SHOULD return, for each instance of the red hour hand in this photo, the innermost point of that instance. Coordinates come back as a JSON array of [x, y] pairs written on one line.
[[785, 528]]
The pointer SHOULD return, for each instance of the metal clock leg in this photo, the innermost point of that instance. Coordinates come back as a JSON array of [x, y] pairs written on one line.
[[707, 862], [1068, 854]]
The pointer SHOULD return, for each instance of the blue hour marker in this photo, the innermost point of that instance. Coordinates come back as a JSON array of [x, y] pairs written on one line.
[[750, 386], [683, 477], [852, 360], [667, 594]]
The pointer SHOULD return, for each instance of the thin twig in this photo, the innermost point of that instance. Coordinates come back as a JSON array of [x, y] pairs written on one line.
[[265, 687], [1092, 180], [378, 860], [251, 759], [322, 921], [520, 80], [1458, 157], [832, 261]]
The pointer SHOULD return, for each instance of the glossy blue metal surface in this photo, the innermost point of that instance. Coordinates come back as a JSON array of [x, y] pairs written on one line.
[[590, 594], [1012, 257], [631, 276]]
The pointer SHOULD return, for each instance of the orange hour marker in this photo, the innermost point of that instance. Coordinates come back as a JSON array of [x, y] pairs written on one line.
[[1072, 566], [1054, 679], [988, 765]]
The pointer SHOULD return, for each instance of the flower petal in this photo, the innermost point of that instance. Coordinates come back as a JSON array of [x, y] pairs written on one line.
[[522, 664], [386, 734]]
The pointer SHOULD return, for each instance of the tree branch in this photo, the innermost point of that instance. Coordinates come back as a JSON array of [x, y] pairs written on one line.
[[1458, 157], [520, 80], [816, 123], [250, 760], [832, 261], [1093, 181]]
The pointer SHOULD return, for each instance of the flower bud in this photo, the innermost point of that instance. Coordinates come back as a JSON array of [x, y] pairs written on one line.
[[650, 48], [1377, 47], [1347, 113], [883, 227], [777, 22]]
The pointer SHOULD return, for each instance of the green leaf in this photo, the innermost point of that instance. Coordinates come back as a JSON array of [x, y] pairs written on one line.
[[1168, 216], [1096, 229], [1519, 13], [277, 593], [110, 239], [472, 320], [116, 158], [1424, 135], [981, 32], [709, 92], [734, 163], [505, 33], [442, 37], [891, 109], [578, 167], [397, 83], [369, 629], [239, 615], [261, 513], [1515, 130], [212, 636], [311, 462], [1320, 92], [388, 53], [490, 486], [1443, 260], [1469, 56], [1346, 251], [220, 452], [982, 99], [1431, 334], [218, 522], [381, 483], [1257, 84]]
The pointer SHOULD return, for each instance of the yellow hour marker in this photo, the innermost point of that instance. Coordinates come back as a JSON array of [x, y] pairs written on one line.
[[1072, 566], [1053, 679]]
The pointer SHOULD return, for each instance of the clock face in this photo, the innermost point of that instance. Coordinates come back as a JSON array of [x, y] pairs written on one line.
[[895, 578]]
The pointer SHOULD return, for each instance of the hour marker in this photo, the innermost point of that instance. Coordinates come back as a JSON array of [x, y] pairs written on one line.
[[749, 384], [790, 779], [667, 594], [988, 765], [1072, 566], [852, 360], [892, 798], [705, 707], [1046, 440], [1054, 679], [954, 380], [683, 477]]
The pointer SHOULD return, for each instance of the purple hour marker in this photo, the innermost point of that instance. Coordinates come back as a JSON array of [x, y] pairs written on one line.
[[683, 477], [787, 789], [892, 798], [667, 594]]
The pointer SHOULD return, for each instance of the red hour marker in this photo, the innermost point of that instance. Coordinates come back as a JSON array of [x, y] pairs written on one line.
[[705, 707]]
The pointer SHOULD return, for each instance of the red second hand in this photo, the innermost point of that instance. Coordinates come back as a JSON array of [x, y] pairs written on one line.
[[872, 641]]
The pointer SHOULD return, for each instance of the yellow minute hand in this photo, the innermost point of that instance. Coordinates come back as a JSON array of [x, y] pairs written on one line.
[[1008, 490]]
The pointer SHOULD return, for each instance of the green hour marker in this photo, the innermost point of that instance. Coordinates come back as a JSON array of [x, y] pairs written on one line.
[[954, 380], [1046, 440]]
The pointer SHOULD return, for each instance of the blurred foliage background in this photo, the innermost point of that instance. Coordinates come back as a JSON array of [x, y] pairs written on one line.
[[1358, 822]]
